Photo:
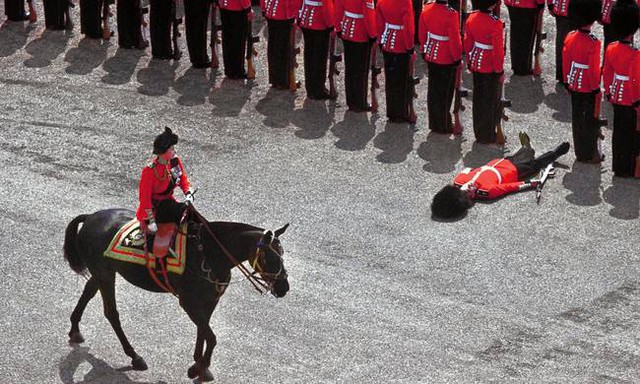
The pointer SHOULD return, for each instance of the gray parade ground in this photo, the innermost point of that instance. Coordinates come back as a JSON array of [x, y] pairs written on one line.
[[380, 292]]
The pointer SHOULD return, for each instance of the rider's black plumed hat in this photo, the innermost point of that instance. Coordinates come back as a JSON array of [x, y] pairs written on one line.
[[625, 18], [164, 141], [482, 4], [585, 12]]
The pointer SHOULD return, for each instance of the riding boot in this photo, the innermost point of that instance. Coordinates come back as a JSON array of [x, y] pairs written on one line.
[[163, 239]]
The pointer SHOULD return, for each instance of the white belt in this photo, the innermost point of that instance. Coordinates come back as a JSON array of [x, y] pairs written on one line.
[[482, 169], [483, 46], [313, 3], [354, 15], [394, 26], [579, 65], [437, 37], [621, 77]]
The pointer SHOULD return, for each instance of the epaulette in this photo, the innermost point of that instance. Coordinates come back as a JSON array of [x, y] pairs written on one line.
[[151, 164], [495, 17], [450, 8]]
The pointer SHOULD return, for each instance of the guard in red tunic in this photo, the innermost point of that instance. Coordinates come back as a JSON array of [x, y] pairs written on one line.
[[355, 22], [235, 16], [581, 74], [316, 21], [159, 211], [497, 178], [441, 46], [524, 16], [484, 46], [560, 10], [618, 60], [395, 23], [280, 15]]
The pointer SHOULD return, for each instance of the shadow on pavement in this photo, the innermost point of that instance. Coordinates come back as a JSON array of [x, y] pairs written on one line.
[[13, 36], [355, 131], [157, 78], [121, 66], [396, 142], [314, 119], [624, 196], [277, 107], [86, 57], [584, 182], [46, 48], [560, 102], [193, 86], [525, 92], [100, 371], [230, 98], [441, 152], [481, 154]]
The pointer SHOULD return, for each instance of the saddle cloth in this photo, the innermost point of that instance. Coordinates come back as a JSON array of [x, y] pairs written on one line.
[[128, 246]]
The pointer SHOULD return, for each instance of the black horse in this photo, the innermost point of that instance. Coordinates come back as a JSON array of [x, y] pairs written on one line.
[[213, 249]]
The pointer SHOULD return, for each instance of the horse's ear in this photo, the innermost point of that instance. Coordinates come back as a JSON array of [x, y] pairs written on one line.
[[281, 230], [267, 238]]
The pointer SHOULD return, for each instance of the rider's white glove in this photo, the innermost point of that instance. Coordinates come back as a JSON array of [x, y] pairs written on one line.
[[152, 227], [189, 197]]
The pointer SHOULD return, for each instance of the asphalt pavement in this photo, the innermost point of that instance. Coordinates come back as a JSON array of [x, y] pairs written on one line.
[[380, 292]]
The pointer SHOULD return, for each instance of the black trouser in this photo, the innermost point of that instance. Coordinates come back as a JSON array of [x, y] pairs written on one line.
[[14, 9], [527, 164], [440, 93], [316, 55], [486, 106], [91, 15], [196, 14], [54, 13], [564, 25], [234, 42], [161, 16], [279, 52], [625, 140], [523, 32], [397, 89], [129, 24], [357, 57], [584, 125], [417, 10], [169, 210]]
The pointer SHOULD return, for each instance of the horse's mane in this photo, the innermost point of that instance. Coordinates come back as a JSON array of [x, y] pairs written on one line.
[[228, 227]]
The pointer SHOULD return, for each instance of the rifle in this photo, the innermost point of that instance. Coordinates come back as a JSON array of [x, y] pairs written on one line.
[[537, 70], [334, 58], [412, 89], [215, 39], [549, 171], [68, 24], [106, 13], [637, 170], [459, 91], [293, 84], [504, 102], [375, 71], [251, 51]]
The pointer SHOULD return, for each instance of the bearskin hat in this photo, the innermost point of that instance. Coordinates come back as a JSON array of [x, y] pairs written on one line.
[[585, 12], [625, 18], [482, 4], [450, 202], [164, 141]]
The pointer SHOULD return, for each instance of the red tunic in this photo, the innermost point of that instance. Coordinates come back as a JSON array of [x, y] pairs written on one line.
[[396, 25], [616, 73], [581, 61], [280, 9], [497, 178], [605, 17], [523, 3], [234, 5], [560, 7], [484, 43], [439, 33], [316, 14], [355, 20], [635, 79], [156, 184]]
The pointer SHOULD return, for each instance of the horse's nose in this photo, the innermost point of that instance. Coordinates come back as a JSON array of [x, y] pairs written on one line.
[[280, 288]]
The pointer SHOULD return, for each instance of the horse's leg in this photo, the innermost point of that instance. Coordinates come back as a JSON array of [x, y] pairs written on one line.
[[210, 338], [192, 373], [90, 290], [108, 291], [201, 317]]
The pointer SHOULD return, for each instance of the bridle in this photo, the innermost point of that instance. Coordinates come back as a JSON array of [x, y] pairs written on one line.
[[259, 261]]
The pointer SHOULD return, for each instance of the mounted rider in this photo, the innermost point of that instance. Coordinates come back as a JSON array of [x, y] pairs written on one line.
[[159, 211]]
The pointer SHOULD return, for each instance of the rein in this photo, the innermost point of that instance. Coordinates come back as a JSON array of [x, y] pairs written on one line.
[[257, 283]]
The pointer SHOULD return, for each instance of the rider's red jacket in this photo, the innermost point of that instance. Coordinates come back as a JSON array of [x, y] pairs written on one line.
[[497, 178], [158, 182]]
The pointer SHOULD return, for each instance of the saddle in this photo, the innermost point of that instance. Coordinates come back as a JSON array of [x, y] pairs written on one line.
[[128, 246]]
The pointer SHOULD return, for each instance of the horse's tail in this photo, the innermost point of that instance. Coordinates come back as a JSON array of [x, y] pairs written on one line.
[[70, 248]]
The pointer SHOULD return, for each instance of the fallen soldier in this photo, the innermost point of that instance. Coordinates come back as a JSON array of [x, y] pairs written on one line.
[[495, 179]]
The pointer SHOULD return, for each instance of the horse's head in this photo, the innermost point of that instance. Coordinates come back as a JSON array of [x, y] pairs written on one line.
[[269, 264]]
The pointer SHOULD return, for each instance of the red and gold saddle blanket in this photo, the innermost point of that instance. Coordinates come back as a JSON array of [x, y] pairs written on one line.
[[128, 246]]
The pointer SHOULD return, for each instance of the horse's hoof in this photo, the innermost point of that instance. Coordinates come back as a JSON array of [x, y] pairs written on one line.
[[192, 372], [76, 338], [206, 375], [139, 364]]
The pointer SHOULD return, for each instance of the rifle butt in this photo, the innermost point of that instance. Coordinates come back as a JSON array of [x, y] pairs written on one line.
[[500, 137], [251, 71], [457, 124]]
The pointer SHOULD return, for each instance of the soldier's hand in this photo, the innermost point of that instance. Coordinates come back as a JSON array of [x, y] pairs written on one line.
[[189, 197], [152, 227]]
